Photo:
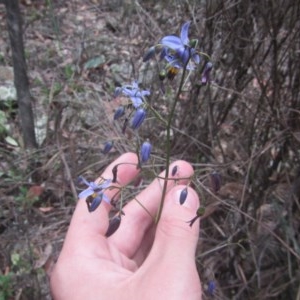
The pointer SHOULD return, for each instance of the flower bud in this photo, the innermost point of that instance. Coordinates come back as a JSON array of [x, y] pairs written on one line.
[[138, 118], [174, 170], [118, 91], [149, 54], [107, 147], [205, 74], [183, 196], [120, 111], [114, 224], [145, 151], [215, 181]]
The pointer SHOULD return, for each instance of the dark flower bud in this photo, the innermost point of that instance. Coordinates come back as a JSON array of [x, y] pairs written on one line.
[[107, 147], [174, 170], [93, 202], [206, 71], [113, 226], [200, 212], [211, 287], [145, 151], [138, 118], [120, 111], [215, 181], [118, 91], [183, 196], [149, 54], [115, 172]]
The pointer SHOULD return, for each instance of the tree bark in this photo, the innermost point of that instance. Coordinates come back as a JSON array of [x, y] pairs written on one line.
[[14, 27]]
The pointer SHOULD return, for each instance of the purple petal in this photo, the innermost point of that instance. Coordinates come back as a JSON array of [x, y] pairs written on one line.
[[105, 198], [95, 203], [136, 101], [135, 85], [184, 33], [184, 55], [172, 41], [196, 58], [106, 184], [145, 93], [87, 192], [82, 179], [128, 92]]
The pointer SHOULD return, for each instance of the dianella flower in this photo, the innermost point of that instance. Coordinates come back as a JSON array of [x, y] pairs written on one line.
[[94, 193], [133, 91], [178, 51], [145, 151]]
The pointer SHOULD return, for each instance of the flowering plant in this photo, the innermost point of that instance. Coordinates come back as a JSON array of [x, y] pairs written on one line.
[[175, 54]]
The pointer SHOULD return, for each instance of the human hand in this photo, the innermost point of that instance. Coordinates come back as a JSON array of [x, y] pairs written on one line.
[[140, 260]]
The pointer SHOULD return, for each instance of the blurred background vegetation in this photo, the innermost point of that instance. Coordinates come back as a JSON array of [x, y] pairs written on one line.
[[244, 126]]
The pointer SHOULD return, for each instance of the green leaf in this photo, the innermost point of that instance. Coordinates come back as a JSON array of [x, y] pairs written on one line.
[[11, 141], [94, 62]]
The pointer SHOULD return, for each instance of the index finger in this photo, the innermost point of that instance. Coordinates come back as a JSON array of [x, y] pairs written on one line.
[[87, 227]]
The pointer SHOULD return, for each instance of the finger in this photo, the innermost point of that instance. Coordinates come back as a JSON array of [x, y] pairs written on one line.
[[86, 228], [174, 237], [140, 214]]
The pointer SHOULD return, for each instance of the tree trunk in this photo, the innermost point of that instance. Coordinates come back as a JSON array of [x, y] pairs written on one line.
[[14, 27]]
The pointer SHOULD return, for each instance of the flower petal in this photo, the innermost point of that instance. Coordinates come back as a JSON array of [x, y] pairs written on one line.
[[184, 33], [85, 193], [95, 203], [172, 41], [106, 184], [196, 58], [105, 198], [136, 101]]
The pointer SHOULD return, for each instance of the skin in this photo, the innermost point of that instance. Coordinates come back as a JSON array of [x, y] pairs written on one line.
[[140, 260]]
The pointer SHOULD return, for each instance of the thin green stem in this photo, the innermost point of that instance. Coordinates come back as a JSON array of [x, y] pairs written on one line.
[[168, 144]]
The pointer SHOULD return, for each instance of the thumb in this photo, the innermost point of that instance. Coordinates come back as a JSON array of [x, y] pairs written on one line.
[[171, 260], [174, 239]]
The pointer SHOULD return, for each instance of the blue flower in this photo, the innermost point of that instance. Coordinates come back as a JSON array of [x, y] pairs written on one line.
[[178, 50], [94, 193], [138, 118], [145, 151], [134, 93]]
